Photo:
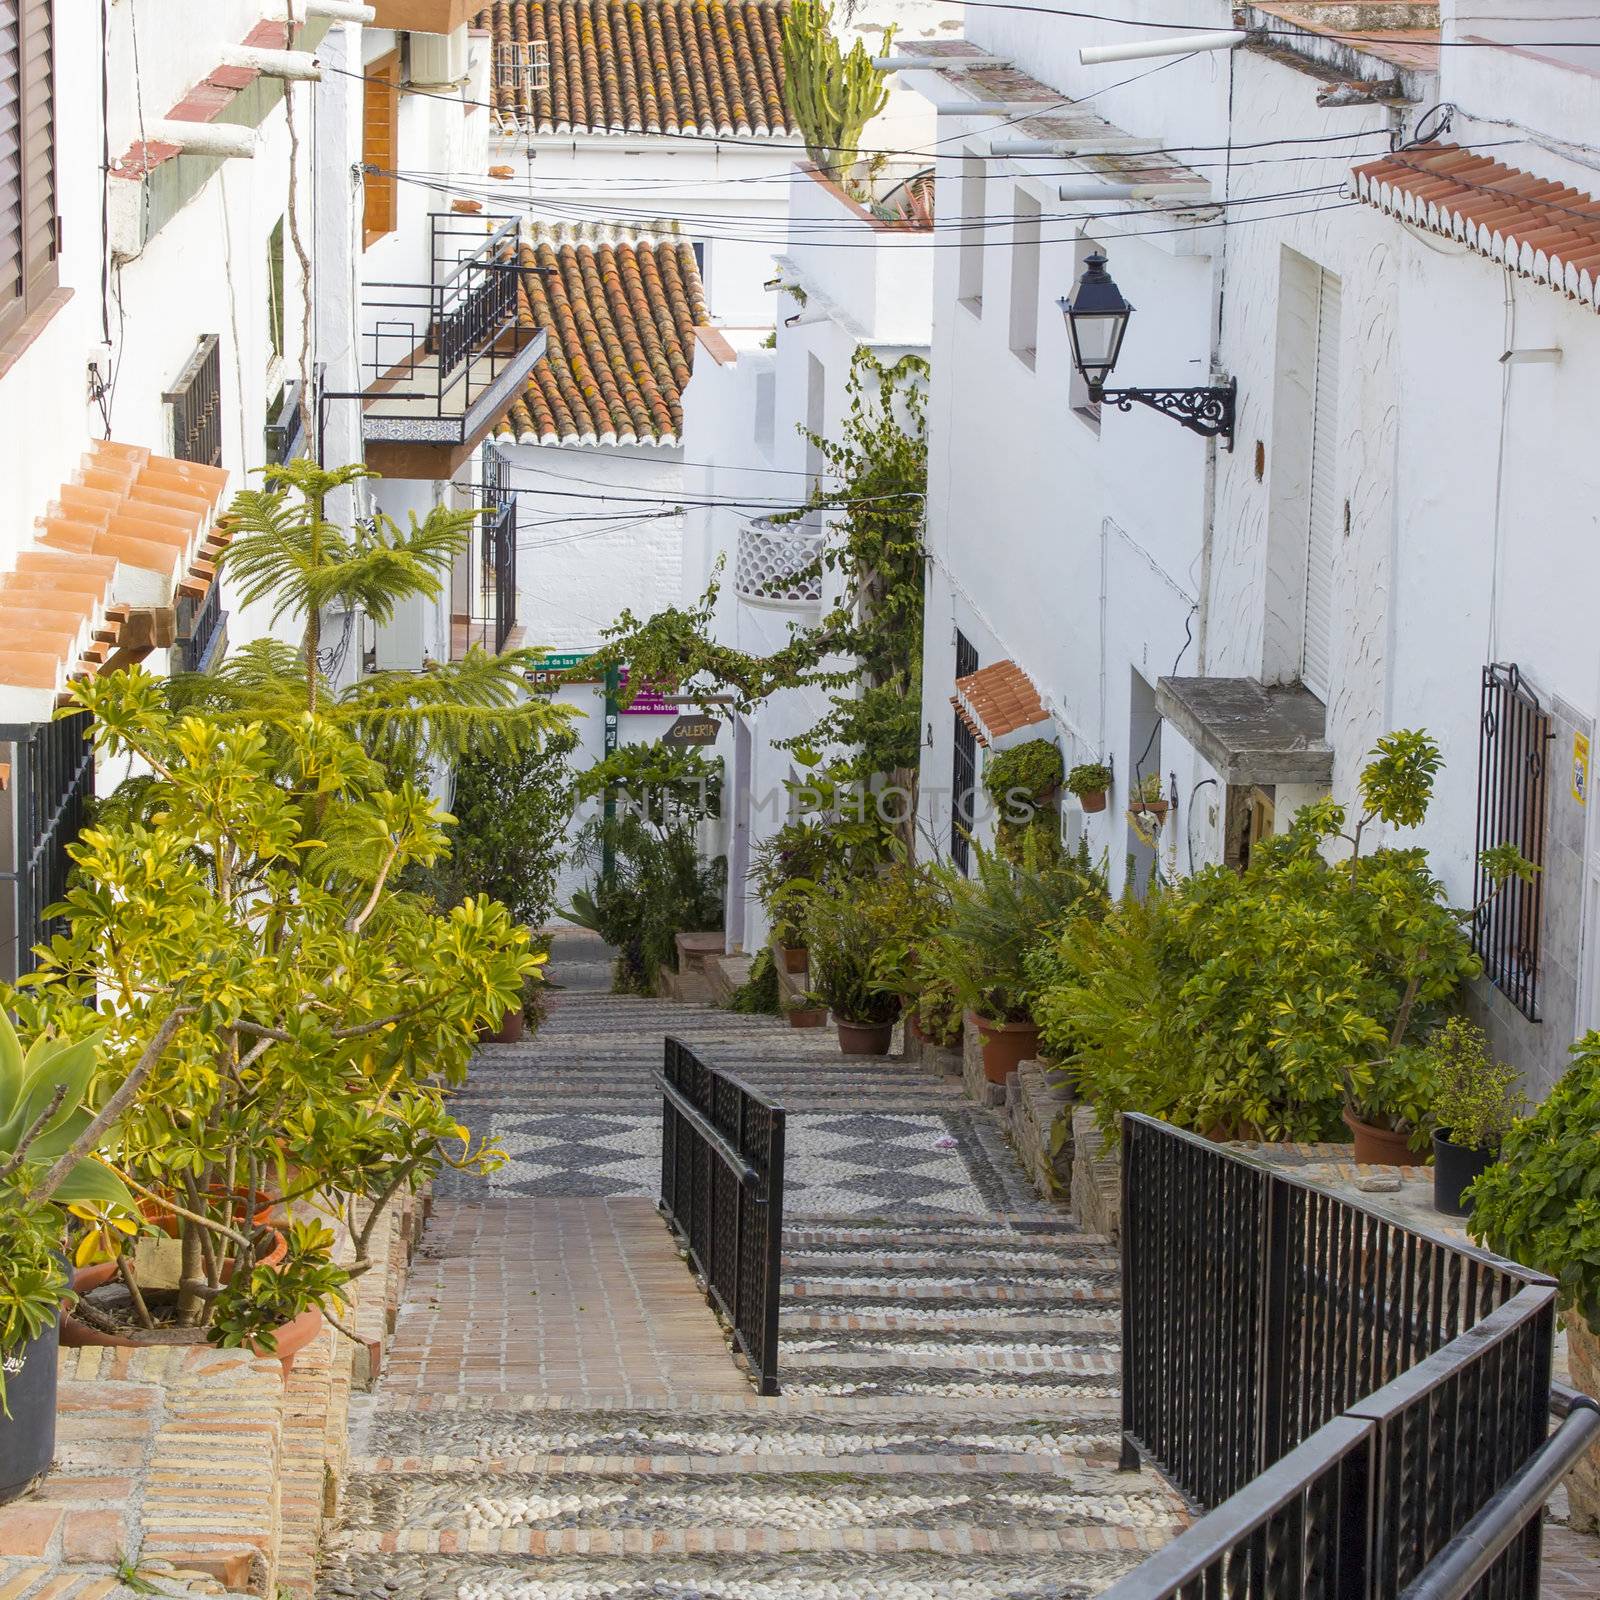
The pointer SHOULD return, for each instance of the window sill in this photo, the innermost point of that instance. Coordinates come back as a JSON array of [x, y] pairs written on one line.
[[1029, 358], [15, 344], [1088, 415], [974, 304]]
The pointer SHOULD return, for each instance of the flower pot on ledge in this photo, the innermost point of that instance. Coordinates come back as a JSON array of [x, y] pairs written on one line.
[[1380, 1147], [1006, 1045], [1455, 1166], [807, 1016], [792, 957]]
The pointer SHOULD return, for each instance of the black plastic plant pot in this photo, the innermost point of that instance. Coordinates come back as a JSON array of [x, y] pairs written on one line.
[[1454, 1168], [28, 1435]]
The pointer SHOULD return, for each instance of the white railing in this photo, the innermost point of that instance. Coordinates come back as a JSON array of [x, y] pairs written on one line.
[[779, 564]]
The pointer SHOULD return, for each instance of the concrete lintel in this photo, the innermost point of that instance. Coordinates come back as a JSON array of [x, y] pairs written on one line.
[[1251, 732]]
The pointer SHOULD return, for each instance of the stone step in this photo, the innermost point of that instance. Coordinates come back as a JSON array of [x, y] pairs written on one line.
[[805, 1505], [953, 1323], [723, 1540], [802, 1356], [1090, 1462], [845, 1570], [1057, 1290], [919, 1381], [809, 1261]]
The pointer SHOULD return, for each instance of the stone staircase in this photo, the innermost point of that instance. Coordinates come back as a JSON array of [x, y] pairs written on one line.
[[948, 1421]]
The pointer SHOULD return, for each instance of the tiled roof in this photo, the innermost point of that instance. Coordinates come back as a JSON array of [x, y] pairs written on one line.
[[997, 701], [130, 530], [621, 309], [1540, 228], [644, 66]]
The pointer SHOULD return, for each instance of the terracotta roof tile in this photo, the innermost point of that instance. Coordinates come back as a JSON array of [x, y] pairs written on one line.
[[60, 604], [1536, 226], [998, 700], [645, 66], [621, 311]]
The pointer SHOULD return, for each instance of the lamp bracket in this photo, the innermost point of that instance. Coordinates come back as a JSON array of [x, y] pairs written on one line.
[[1208, 412]]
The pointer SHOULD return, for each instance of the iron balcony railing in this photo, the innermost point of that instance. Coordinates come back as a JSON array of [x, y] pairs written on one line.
[[1365, 1405], [443, 359], [722, 1196], [200, 630], [779, 564], [52, 783], [195, 404]]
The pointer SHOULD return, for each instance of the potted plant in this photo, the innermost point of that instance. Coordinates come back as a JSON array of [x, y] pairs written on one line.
[[996, 918], [1089, 781], [49, 1172], [805, 1011], [1538, 1205], [1475, 1103], [784, 868], [296, 1021], [843, 927], [1387, 1107], [1149, 804], [1022, 784]]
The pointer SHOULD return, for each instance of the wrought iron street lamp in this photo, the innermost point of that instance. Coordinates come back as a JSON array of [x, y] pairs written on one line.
[[1097, 320]]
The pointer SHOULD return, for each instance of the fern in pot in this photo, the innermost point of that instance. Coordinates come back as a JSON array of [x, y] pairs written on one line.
[[845, 926], [1476, 1101]]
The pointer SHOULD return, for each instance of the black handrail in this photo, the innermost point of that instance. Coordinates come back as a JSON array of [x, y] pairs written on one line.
[[722, 1195], [1353, 1396]]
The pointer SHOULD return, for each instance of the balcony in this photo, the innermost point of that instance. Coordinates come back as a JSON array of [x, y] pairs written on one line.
[[779, 565], [443, 360]]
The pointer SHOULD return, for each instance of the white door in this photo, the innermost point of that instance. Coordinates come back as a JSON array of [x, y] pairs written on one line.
[[1324, 518]]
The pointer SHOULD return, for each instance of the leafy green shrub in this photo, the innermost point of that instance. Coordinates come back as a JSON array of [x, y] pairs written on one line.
[[999, 914], [758, 994], [939, 1013], [847, 922], [1540, 1202], [1475, 1097], [1019, 783], [1259, 1003]]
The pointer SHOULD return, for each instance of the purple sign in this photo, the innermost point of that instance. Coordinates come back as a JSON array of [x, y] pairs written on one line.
[[649, 702]]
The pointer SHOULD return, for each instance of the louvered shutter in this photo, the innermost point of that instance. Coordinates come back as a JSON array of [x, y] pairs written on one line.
[[10, 162], [380, 142], [38, 150], [1323, 518]]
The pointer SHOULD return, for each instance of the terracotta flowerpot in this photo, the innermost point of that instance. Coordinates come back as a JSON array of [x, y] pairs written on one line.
[[509, 1031], [1095, 800], [1006, 1045], [793, 957], [865, 1038], [77, 1335], [1583, 1482], [1148, 811], [807, 1017], [1380, 1147]]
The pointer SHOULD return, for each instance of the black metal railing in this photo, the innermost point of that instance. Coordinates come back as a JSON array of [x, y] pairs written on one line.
[[199, 627], [51, 783], [1352, 1396], [195, 401], [722, 1195], [434, 351], [964, 766], [1513, 736]]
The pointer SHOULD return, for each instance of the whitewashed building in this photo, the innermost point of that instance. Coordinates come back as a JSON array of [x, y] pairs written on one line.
[[849, 280], [1388, 245]]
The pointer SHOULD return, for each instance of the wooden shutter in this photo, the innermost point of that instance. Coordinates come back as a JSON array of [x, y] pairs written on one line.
[[1323, 516], [380, 142], [27, 158]]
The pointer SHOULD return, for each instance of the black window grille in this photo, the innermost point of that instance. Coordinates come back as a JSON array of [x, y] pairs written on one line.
[[964, 778], [497, 599], [1513, 732], [52, 781], [195, 401], [199, 629]]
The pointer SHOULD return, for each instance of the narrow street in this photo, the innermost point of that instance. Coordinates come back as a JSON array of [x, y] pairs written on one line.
[[559, 1415]]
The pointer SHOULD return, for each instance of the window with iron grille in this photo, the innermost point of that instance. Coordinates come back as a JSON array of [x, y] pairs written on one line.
[[1513, 733], [964, 778], [29, 237], [194, 404]]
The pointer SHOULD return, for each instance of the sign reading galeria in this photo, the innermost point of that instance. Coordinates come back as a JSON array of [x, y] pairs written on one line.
[[691, 730]]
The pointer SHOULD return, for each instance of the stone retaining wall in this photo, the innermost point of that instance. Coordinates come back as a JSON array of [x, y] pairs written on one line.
[[1096, 1176], [1039, 1119]]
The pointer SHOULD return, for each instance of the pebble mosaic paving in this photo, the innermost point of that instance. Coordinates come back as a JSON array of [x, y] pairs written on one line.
[[547, 1431]]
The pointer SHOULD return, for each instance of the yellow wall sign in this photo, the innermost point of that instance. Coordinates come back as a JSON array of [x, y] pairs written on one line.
[[1580, 768]]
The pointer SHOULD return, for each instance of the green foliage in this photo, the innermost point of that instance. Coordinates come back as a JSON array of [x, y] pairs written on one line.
[[1475, 1098], [1031, 771], [286, 550], [33, 1279], [1397, 782], [1259, 1003], [251, 1305], [999, 914], [832, 95], [845, 923], [511, 813], [661, 787], [877, 472], [1090, 777], [275, 1003], [1540, 1202], [939, 1012], [758, 994]]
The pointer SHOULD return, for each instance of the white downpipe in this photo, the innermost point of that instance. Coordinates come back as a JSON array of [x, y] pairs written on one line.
[[207, 138], [1177, 44], [299, 65]]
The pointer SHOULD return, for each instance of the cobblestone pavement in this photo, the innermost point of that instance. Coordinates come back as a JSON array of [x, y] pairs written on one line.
[[560, 1418]]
